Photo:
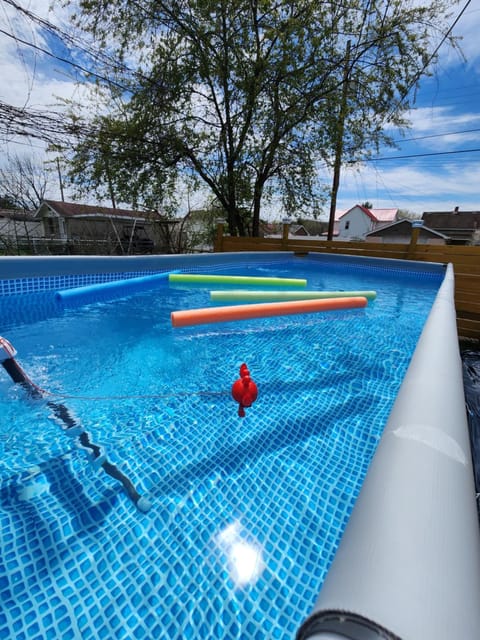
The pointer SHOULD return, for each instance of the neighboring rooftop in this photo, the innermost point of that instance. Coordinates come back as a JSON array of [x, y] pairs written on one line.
[[74, 209], [404, 227], [458, 225], [379, 215], [16, 214]]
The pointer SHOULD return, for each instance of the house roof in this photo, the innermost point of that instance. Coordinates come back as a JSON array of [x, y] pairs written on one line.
[[362, 208], [377, 215], [407, 225], [16, 214], [298, 230], [385, 215], [452, 220], [75, 209]]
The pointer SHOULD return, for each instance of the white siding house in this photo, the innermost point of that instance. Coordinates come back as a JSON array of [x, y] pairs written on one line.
[[355, 223]]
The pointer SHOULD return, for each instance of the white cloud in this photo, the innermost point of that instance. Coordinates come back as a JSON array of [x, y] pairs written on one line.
[[35, 80], [441, 118], [31, 78], [467, 28], [412, 187]]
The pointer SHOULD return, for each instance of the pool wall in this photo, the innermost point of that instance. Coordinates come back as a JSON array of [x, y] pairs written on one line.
[[36, 266], [408, 565]]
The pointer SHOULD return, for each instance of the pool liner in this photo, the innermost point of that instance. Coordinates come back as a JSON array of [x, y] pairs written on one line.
[[105, 291], [408, 564]]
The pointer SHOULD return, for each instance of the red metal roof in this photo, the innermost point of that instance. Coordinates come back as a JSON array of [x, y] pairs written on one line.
[[377, 215]]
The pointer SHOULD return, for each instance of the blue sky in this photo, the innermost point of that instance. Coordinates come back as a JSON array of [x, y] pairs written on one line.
[[445, 120]]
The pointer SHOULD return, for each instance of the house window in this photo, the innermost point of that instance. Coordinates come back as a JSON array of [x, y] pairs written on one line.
[[347, 224], [51, 225]]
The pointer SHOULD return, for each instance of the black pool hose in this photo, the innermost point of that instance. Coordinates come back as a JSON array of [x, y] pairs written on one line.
[[61, 412]]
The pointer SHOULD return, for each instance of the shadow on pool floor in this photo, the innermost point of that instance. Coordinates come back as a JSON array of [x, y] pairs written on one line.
[[232, 459]]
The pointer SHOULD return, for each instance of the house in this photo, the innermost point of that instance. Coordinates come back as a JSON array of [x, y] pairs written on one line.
[[356, 222], [275, 230], [462, 227], [196, 231], [401, 231], [78, 228], [315, 227], [18, 230]]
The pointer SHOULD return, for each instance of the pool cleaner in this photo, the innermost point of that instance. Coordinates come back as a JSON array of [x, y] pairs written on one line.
[[71, 427]]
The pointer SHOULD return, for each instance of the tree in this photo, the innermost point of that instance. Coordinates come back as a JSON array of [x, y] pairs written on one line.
[[24, 182], [406, 214], [247, 97], [6, 202]]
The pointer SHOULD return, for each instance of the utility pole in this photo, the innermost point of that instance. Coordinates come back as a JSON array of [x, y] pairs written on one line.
[[60, 180], [339, 144], [110, 183]]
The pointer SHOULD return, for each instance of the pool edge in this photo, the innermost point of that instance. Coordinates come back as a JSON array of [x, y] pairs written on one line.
[[35, 266], [408, 565]]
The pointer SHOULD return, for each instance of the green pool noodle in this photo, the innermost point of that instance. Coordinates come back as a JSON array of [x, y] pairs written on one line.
[[260, 281], [240, 295]]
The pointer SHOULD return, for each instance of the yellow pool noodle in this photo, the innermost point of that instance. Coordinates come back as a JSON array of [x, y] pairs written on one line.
[[194, 278]]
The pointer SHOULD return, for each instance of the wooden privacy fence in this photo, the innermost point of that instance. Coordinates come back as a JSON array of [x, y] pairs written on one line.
[[465, 260]]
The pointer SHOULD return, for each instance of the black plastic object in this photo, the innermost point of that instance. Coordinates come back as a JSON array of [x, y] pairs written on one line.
[[62, 414], [471, 384]]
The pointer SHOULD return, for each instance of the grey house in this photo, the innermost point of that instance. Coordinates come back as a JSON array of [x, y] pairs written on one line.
[[18, 231], [462, 227], [401, 232], [70, 227]]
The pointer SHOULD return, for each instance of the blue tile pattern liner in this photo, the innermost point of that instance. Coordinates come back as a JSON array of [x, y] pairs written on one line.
[[16, 286], [247, 513]]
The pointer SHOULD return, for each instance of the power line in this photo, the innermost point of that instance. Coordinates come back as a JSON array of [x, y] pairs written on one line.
[[437, 135], [429, 60], [96, 55], [416, 155], [64, 37], [88, 72]]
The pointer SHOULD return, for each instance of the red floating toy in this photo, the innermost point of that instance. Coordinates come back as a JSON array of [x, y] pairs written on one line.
[[244, 390]]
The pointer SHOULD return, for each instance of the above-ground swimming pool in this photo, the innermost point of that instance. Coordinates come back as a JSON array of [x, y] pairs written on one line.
[[247, 513]]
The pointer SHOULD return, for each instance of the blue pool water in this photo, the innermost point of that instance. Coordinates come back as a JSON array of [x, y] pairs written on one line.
[[247, 513]]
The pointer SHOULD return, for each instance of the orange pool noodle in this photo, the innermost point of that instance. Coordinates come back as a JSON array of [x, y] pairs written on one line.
[[265, 309]]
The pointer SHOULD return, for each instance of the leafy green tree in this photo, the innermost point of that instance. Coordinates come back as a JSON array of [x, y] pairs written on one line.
[[245, 98]]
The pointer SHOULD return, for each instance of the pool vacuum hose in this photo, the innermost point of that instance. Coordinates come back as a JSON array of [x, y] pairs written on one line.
[[70, 426]]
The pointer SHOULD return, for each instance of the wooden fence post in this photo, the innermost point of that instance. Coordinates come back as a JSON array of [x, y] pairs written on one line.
[[416, 226], [218, 244], [285, 230]]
